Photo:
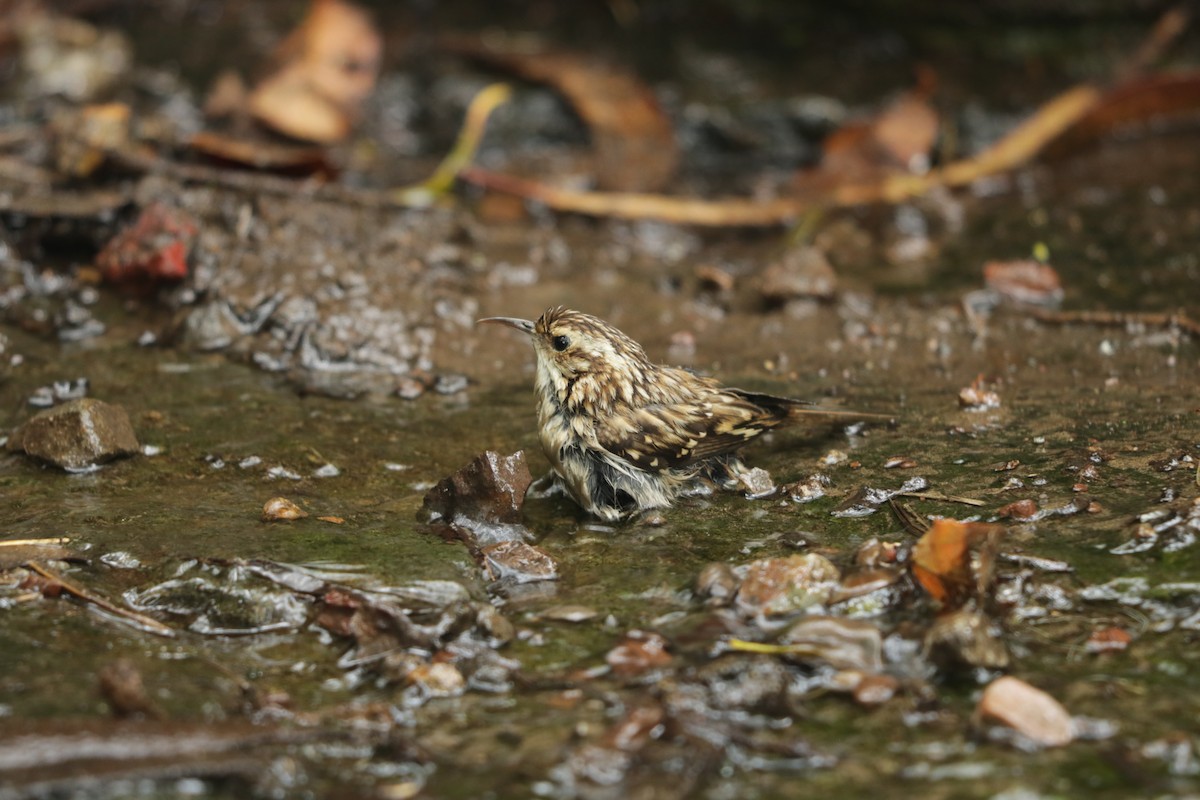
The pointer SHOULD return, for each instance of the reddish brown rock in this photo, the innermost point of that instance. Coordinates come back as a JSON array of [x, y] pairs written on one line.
[[489, 489]]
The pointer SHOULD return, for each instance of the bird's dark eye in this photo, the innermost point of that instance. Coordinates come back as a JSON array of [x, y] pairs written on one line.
[[560, 343]]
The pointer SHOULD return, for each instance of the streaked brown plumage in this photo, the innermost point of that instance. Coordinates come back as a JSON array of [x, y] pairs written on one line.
[[624, 434]]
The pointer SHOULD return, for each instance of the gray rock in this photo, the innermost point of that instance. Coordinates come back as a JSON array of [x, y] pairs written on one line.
[[76, 436]]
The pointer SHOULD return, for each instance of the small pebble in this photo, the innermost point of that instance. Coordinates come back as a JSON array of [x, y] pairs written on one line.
[[1030, 711], [280, 508]]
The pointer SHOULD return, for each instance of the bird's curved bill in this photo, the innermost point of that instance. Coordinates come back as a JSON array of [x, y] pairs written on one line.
[[523, 325]]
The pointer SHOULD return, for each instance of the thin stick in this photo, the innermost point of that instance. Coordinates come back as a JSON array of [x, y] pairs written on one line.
[[57, 540], [947, 498], [463, 152], [745, 646], [1179, 319], [1166, 32], [909, 519], [75, 590], [1016, 148]]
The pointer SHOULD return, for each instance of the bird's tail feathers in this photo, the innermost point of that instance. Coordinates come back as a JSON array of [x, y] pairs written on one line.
[[791, 409]]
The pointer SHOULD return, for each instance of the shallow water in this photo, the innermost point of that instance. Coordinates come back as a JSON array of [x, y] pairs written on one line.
[[1114, 403]]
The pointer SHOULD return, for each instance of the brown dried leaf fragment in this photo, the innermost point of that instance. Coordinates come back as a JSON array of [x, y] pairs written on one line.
[[262, 155], [1021, 509], [897, 141], [954, 561], [518, 562], [1144, 104], [326, 69]]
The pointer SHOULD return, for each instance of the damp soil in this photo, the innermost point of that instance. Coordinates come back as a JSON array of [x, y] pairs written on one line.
[[329, 355]]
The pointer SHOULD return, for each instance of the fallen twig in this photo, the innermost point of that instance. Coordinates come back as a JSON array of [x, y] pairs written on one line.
[[765, 648], [52, 541], [79, 592], [143, 159], [442, 179], [1166, 32], [1178, 320], [945, 498], [910, 520], [1018, 147]]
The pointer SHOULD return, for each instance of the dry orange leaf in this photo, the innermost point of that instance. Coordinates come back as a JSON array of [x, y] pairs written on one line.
[[898, 140], [945, 562], [327, 68]]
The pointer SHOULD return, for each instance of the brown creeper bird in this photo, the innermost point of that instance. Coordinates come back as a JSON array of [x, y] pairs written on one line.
[[624, 434]]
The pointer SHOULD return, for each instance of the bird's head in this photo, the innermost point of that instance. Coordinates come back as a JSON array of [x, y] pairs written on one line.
[[571, 345]]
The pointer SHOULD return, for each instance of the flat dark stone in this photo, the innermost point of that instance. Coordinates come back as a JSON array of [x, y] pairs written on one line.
[[489, 489]]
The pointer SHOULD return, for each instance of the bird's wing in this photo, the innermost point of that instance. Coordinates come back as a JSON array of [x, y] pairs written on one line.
[[671, 435]]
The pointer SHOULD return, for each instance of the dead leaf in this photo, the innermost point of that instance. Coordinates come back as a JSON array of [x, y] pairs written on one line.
[[953, 561], [898, 140], [261, 154], [518, 562], [226, 97], [155, 247], [327, 68], [978, 396], [966, 637], [842, 643], [83, 138], [1021, 509], [633, 139], [122, 688], [1015, 149]]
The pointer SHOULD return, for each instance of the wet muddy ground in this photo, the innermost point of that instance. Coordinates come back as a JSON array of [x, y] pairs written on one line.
[[326, 353]]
